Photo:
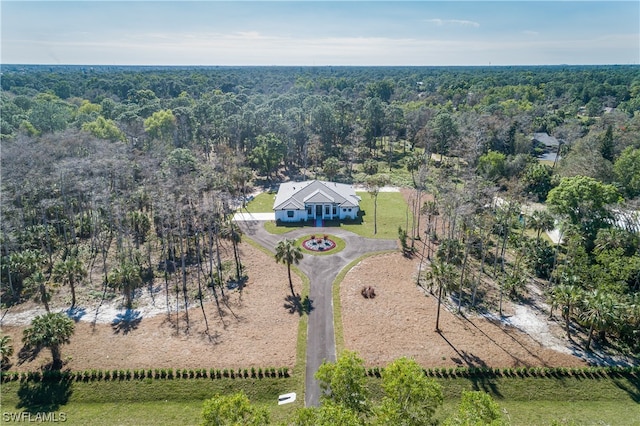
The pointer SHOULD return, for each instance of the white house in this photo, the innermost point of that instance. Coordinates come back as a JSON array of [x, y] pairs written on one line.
[[315, 199]]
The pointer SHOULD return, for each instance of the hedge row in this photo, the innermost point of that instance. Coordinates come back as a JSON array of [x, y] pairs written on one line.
[[162, 373], [551, 372]]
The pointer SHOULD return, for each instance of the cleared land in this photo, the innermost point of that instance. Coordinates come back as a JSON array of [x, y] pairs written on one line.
[[255, 329], [400, 321]]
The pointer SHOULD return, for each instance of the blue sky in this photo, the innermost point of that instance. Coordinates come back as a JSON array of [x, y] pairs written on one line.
[[320, 32]]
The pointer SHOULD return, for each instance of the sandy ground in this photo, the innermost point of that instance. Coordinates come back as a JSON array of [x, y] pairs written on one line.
[[256, 329]]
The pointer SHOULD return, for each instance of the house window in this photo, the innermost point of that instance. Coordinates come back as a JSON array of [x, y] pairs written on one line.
[[326, 210], [334, 210], [289, 213], [309, 211], [349, 210]]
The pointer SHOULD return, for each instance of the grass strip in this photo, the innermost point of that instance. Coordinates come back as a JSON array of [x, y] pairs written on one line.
[[547, 400], [525, 401]]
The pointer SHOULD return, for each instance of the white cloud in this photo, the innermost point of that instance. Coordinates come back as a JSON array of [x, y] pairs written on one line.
[[256, 48], [459, 22]]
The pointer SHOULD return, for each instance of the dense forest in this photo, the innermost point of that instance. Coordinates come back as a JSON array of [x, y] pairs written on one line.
[[118, 177]]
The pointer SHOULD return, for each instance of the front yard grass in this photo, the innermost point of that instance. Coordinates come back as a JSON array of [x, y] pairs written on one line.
[[393, 211], [261, 203]]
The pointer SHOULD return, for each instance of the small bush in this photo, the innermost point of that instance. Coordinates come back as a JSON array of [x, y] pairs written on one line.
[[34, 376]]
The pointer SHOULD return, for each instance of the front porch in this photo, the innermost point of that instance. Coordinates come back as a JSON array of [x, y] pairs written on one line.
[[322, 211]]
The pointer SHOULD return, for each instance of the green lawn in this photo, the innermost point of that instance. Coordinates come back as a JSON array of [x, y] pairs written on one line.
[[542, 401], [392, 212], [262, 203], [527, 401], [142, 402]]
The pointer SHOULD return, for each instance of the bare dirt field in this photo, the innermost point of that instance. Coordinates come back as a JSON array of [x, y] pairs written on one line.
[[400, 321], [258, 329]]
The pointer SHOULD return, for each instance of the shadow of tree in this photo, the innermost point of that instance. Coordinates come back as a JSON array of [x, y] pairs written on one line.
[[75, 313], [233, 284], [295, 304], [478, 383], [28, 354], [43, 396], [631, 385], [126, 322]]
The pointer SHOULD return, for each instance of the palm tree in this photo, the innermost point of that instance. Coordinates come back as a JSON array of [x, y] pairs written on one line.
[[39, 280], [51, 331], [23, 264], [443, 275], [126, 277], [140, 226], [69, 271], [288, 252], [611, 238], [568, 296], [599, 312], [6, 350], [430, 208], [413, 163], [541, 221], [374, 183]]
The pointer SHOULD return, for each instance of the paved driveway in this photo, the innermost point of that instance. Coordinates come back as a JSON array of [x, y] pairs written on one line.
[[247, 216], [322, 271]]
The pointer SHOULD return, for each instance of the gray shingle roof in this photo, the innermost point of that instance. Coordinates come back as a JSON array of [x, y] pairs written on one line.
[[293, 195], [545, 139]]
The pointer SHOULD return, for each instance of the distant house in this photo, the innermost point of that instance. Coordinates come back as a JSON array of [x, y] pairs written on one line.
[[547, 147], [549, 142], [315, 199]]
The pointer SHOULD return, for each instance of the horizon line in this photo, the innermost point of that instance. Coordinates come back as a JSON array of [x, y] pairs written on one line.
[[317, 65]]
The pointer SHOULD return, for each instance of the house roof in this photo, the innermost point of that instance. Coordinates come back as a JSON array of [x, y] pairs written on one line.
[[545, 139], [294, 195]]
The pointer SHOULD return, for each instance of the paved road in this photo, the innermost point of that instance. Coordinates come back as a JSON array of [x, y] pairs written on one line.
[[322, 271]]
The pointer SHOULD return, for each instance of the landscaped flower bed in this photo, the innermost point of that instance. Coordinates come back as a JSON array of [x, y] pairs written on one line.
[[319, 243]]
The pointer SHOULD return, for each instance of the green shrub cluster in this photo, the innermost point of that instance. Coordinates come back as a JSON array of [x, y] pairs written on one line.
[[139, 374], [551, 372]]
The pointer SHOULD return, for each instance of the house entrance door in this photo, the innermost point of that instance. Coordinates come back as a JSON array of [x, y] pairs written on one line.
[[318, 210]]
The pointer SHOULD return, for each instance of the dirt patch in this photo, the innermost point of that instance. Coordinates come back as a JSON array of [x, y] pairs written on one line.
[[400, 321], [254, 329]]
